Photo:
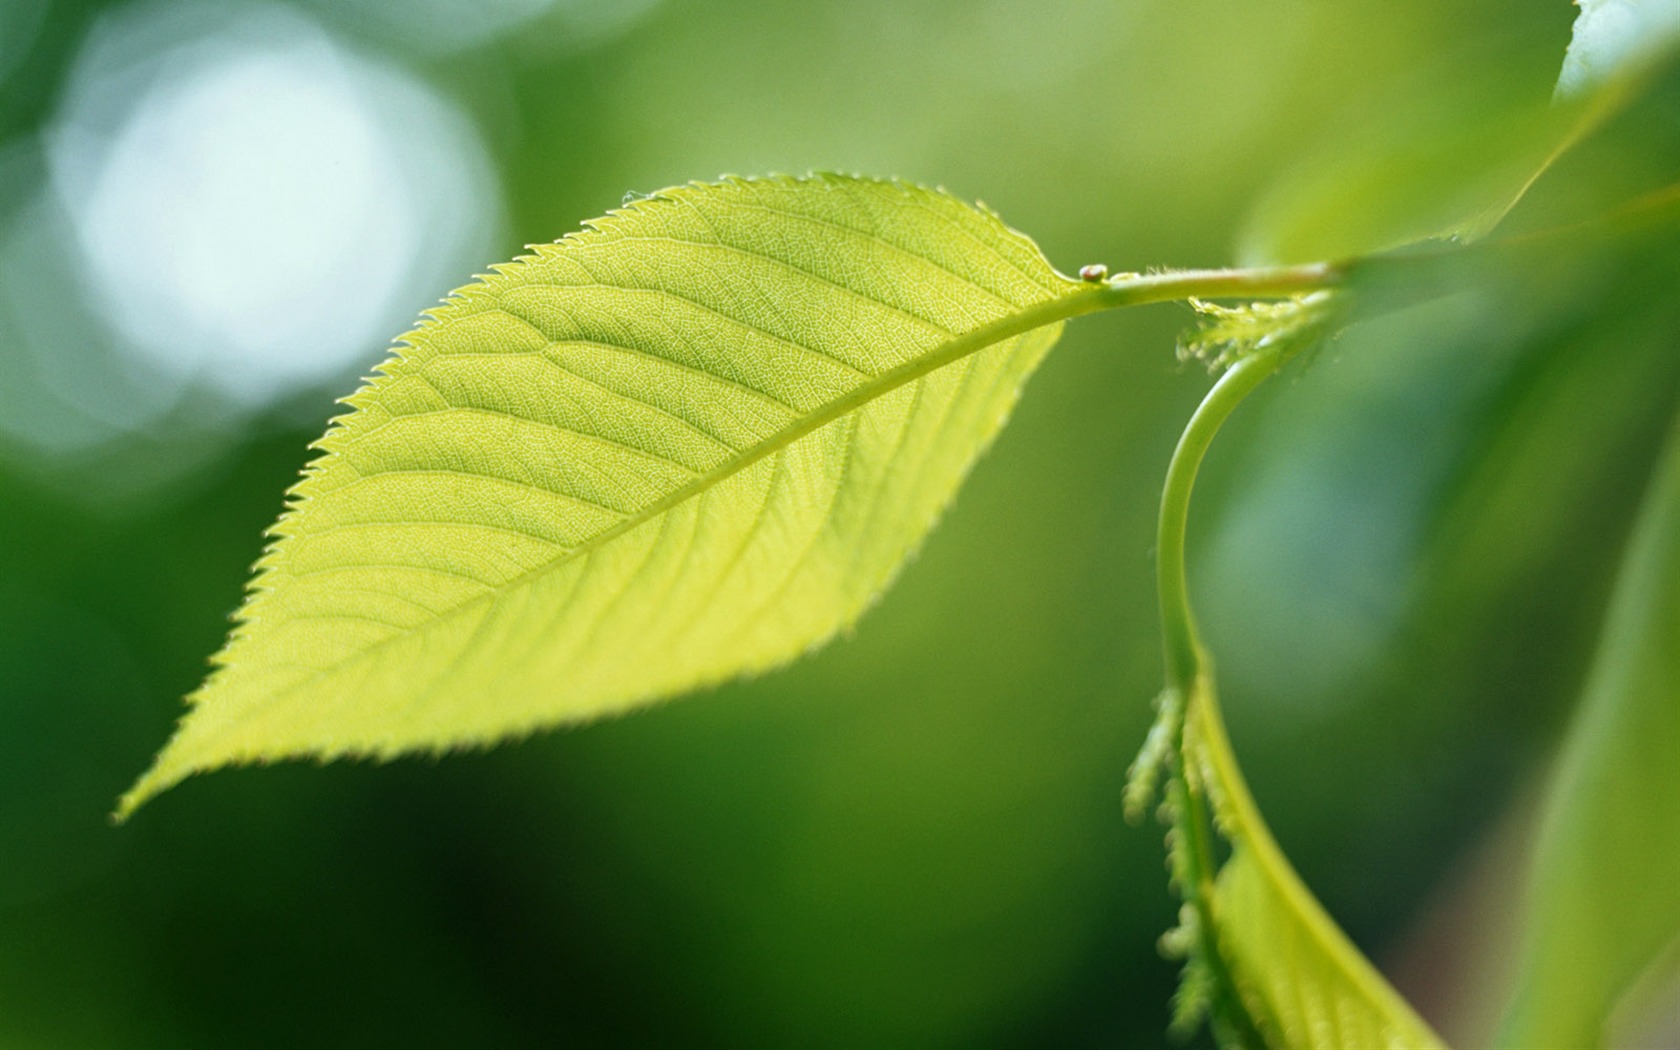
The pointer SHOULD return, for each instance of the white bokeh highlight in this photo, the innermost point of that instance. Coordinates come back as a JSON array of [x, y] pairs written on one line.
[[258, 208], [446, 27], [1613, 36]]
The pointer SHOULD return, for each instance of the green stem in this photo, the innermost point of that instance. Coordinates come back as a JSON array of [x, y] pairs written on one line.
[[1185, 657], [1234, 1025], [1189, 680], [1260, 282]]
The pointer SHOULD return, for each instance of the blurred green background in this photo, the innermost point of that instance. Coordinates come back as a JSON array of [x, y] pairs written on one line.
[[213, 217]]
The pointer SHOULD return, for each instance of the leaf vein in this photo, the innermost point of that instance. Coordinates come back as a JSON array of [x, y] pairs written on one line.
[[753, 253], [296, 574], [435, 523], [547, 425], [628, 348], [453, 472], [705, 308], [543, 356], [912, 253], [751, 621]]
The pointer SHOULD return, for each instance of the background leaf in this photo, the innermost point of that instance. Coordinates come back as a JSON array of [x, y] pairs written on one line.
[[688, 443], [1453, 151], [1603, 905], [1446, 160]]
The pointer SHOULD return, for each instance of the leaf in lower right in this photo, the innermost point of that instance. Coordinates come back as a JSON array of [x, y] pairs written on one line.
[[1264, 962]]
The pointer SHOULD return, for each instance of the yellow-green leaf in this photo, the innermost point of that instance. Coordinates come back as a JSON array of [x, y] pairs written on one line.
[[1298, 981], [689, 442]]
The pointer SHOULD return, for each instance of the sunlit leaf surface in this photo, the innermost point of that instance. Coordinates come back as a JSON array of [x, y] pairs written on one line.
[[690, 442]]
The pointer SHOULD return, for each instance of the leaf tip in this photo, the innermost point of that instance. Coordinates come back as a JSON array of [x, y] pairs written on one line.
[[170, 766], [155, 781]]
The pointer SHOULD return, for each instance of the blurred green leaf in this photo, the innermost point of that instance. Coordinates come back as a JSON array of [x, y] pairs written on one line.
[[1295, 978], [1451, 156], [1448, 163], [1604, 902], [689, 443], [1557, 457]]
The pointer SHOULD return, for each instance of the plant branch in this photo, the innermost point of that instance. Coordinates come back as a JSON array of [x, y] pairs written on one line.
[[1259, 282]]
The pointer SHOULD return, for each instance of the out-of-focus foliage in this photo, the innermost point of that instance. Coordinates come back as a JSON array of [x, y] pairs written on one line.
[[1612, 37], [1533, 491], [1263, 960], [916, 841], [1603, 907], [1447, 160], [1451, 156]]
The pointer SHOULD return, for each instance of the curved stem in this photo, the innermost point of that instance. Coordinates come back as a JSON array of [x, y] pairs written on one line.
[[1184, 654], [1187, 667]]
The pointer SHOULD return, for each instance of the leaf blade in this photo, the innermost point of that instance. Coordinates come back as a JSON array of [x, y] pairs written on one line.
[[688, 443]]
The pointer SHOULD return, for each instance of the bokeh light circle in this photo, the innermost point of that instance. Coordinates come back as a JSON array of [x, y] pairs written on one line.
[[258, 207]]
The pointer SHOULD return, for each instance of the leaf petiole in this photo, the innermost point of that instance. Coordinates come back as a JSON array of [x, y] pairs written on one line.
[[1259, 282]]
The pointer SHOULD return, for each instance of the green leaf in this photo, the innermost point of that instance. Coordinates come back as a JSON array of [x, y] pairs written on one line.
[[1289, 975], [1604, 902], [688, 443]]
